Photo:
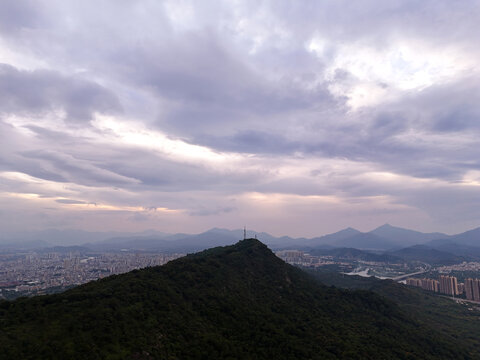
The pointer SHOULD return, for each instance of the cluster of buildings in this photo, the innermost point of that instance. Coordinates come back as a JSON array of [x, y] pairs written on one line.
[[347, 263], [297, 257], [34, 272], [464, 266], [447, 285]]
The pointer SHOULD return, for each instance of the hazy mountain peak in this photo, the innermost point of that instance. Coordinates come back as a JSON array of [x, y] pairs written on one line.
[[217, 230], [470, 237], [350, 229], [404, 236], [387, 226], [475, 230]]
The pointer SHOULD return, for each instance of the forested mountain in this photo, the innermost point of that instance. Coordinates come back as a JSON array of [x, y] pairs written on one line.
[[355, 254], [234, 302], [459, 322], [427, 254]]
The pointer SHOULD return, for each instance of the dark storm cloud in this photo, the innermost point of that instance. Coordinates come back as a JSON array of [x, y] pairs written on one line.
[[34, 92]]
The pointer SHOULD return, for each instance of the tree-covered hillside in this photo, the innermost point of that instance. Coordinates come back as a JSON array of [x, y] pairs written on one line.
[[235, 302], [460, 322]]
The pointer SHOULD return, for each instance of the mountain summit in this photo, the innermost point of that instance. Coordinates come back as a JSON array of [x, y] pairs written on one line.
[[233, 302], [403, 236]]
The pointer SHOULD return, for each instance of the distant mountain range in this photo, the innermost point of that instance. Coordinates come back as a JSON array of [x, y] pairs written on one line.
[[381, 239], [428, 255], [54, 237]]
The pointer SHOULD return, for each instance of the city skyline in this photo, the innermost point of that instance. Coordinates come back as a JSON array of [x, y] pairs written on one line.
[[298, 119]]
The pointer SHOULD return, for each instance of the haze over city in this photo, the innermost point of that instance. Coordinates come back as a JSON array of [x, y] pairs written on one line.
[[294, 118]]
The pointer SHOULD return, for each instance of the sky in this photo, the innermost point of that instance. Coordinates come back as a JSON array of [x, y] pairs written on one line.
[[296, 118]]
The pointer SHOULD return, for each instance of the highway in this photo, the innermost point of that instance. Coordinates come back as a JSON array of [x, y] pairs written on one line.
[[398, 278]]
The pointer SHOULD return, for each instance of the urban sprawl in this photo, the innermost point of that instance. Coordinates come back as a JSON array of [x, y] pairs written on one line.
[[35, 273]]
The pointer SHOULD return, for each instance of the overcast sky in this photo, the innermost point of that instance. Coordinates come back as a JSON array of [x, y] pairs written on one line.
[[292, 117]]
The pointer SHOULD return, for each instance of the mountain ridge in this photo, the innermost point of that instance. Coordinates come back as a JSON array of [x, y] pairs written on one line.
[[385, 237]]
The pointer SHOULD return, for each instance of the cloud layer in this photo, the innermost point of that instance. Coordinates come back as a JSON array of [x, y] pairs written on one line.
[[293, 118]]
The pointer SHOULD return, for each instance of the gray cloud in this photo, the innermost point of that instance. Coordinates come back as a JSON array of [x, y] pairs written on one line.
[[69, 168], [70, 201], [16, 16], [241, 78], [253, 142], [217, 90], [202, 211], [44, 91]]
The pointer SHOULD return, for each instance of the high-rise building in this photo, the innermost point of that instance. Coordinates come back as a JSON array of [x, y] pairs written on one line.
[[476, 290], [443, 284], [429, 284], [454, 285], [469, 289], [426, 284], [472, 289], [448, 285], [414, 282]]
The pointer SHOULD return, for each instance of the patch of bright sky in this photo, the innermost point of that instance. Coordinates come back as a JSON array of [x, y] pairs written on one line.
[[40, 187], [397, 179], [181, 14], [135, 133], [277, 198], [406, 65], [127, 132], [109, 207], [8, 55], [471, 178], [257, 29], [48, 192], [18, 176]]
